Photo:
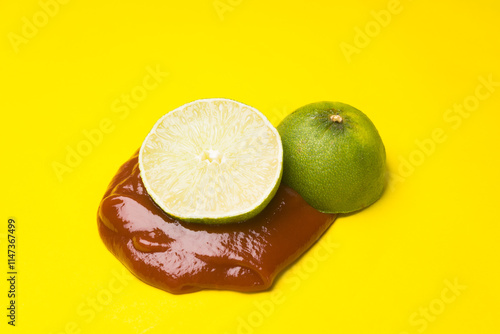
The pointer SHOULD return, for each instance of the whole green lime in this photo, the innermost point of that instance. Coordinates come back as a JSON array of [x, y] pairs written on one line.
[[333, 157]]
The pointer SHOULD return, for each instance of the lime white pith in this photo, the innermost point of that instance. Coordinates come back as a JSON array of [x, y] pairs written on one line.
[[212, 161]]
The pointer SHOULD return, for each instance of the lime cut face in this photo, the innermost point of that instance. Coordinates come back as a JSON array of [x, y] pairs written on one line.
[[212, 161]]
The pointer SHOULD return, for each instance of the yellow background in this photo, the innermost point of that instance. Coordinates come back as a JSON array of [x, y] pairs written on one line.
[[386, 269]]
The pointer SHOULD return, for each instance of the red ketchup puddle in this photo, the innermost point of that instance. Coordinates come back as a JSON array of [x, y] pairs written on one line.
[[181, 257]]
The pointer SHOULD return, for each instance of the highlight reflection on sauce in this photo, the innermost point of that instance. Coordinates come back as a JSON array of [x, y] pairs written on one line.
[[182, 257]]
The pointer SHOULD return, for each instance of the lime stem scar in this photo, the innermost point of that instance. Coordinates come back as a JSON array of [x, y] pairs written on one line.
[[336, 118]]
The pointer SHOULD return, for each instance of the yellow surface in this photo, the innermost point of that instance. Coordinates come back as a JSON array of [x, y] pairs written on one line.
[[423, 259]]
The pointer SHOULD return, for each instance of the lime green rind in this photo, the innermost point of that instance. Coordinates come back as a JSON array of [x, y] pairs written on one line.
[[334, 168]]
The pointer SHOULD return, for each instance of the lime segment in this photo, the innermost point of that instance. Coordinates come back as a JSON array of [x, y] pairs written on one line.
[[212, 161]]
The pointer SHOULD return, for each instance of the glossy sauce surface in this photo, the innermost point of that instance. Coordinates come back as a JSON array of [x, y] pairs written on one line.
[[182, 257]]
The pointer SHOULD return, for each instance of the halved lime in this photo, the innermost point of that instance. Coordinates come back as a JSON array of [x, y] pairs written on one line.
[[334, 157], [212, 161]]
